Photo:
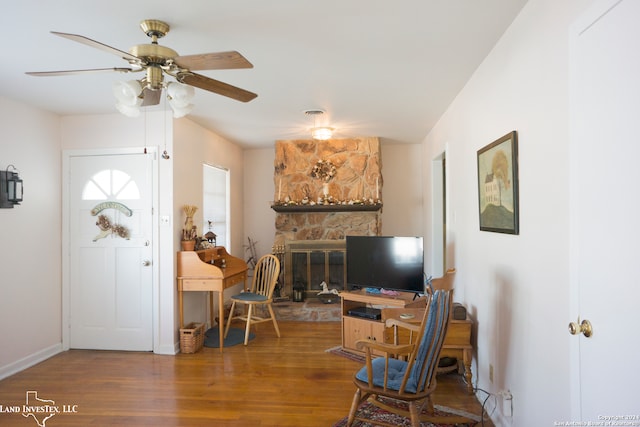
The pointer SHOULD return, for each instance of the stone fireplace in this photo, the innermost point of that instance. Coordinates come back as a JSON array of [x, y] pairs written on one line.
[[315, 211]]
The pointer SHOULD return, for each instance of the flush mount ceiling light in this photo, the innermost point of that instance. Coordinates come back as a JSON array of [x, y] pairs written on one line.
[[321, 133]]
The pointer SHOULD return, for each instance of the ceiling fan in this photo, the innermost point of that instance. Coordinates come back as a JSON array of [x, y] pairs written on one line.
[[156, 61]]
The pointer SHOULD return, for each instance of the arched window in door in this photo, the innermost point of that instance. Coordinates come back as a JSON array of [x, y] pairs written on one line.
[[111, 184]]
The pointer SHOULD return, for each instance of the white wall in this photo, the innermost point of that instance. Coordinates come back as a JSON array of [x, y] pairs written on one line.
[[516, 287], [402, 190], [193, 147], [259, 188], [30, 237], [31, 306], [180, 182]]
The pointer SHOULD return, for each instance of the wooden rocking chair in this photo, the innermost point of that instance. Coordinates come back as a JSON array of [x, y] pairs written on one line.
[[411, 382]]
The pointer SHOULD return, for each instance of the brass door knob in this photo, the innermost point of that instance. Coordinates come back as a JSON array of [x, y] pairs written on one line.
[[583, 327]]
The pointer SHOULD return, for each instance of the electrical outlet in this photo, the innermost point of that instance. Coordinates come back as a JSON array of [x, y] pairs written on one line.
[[507, 403], [491, 373]]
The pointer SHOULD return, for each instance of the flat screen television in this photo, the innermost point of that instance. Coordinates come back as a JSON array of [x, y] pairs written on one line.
[[385, 262]]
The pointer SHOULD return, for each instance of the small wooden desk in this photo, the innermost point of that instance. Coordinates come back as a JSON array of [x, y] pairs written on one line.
[[204, 271], [457, 341]]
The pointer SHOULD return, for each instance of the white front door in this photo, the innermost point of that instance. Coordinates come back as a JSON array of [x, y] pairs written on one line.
[[605, 208], [110, 252]]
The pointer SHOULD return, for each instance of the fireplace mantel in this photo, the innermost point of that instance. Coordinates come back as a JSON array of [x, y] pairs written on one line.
[[326, 208]]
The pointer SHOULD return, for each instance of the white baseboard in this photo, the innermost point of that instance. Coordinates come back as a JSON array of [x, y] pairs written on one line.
[[168, 349], [28, 361]]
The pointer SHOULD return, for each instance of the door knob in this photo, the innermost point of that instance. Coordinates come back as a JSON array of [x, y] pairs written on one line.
[[583, 327], [146, 263]]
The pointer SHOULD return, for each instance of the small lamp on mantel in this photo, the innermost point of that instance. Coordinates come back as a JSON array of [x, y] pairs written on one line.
[[10, 187]]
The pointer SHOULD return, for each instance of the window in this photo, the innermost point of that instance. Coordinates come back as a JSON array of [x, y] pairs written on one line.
[[111, 183], [215, 203]]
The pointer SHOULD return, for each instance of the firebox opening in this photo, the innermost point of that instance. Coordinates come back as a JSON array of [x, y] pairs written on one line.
[[309, 263]]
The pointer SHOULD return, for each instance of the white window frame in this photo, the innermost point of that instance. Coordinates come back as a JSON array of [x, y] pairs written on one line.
[[215, 187]]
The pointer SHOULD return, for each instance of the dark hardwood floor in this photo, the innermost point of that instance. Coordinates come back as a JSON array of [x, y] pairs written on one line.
[[287, 381]]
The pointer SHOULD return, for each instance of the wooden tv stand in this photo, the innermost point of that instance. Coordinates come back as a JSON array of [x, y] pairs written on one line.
[[357, 328], [457, 341]]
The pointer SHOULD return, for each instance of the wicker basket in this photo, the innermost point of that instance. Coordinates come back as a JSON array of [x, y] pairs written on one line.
[[192, 337]]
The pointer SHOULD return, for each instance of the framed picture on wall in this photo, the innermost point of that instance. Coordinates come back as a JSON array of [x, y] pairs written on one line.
[[498, 185]]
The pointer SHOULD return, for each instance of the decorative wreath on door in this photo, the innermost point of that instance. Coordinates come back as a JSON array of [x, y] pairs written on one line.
[[104, 223]]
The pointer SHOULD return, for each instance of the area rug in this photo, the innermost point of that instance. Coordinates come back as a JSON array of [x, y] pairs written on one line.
[[234, 337], [375, 414], [339, 351]]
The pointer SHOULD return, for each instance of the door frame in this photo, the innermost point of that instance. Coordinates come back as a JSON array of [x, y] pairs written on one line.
[[439, 213], [155, 250]]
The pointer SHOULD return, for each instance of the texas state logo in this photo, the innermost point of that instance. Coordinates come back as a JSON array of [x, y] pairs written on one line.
[[37, 408]]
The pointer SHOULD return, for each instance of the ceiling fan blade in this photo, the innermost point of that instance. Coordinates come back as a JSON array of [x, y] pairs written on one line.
[[150, 97], [215, 86], [85, 40], [72, 72], [213, 61]]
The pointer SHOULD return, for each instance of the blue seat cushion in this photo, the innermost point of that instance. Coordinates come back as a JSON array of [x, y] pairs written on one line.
[[397, 369], [249, 296]]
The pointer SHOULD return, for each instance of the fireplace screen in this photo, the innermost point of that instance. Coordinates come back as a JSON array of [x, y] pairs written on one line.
[[312, 262]]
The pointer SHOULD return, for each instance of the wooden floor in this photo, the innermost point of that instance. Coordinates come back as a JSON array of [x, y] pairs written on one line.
[[287, 381]]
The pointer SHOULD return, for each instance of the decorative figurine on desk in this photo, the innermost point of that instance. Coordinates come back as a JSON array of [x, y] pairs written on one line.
[[210, 236], [190, 231], [203, 244], [207, 241]]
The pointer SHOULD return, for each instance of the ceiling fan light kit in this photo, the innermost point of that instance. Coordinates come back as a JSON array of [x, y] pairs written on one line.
[[179, 96], [156, 61], [128, 98]]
